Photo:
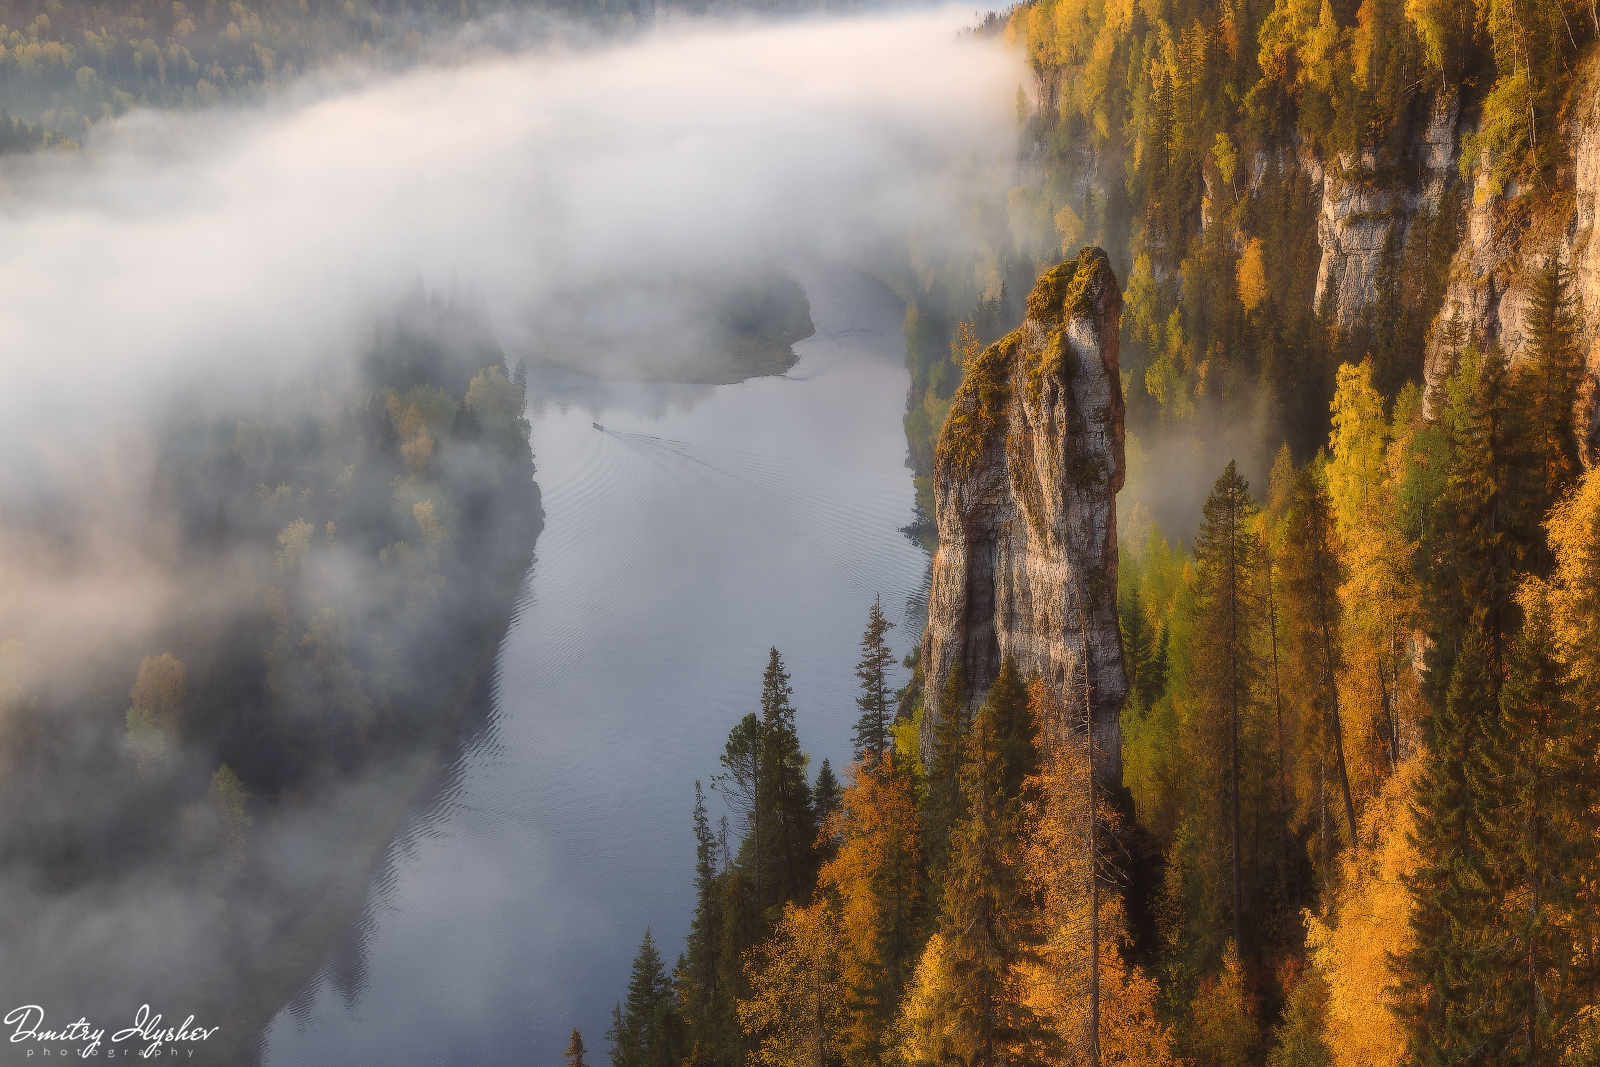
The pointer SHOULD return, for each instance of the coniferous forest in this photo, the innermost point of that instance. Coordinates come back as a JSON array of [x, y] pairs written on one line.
[[1351, 814], [1357, 819]]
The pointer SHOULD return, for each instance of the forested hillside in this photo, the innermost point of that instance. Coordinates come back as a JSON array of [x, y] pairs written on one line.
[[66, 65], [1359, 813]]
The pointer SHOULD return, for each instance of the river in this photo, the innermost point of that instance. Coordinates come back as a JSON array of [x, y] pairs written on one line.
[[699, 527]]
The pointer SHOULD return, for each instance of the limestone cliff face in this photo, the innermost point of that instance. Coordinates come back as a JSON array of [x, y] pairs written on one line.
[[1509, 239], [1026, 474], [1363, 211]]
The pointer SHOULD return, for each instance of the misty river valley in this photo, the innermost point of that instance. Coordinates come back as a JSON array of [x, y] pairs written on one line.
[[701, 526]]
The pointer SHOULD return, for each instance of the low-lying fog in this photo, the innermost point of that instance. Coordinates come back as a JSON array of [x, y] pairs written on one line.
[[208, 260]]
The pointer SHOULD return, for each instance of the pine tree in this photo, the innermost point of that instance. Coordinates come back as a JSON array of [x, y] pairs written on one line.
[[872, 728], [645, 1030], [575, 1050]]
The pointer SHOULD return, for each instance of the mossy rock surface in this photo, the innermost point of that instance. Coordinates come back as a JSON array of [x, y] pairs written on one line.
[[1063, 293]]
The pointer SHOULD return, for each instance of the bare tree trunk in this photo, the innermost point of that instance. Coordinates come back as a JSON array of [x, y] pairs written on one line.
[[1333, 701], [1233, 725], [1094, 872]]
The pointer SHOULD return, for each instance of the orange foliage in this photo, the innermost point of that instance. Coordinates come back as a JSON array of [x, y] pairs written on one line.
[[874, 878]]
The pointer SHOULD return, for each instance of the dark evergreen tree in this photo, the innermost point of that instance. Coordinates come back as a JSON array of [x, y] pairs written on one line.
[[1472, 563], [1226, 551], [1016, 752], [700, 990], [1545, 389], [645, 1030], [788, 825], [1311, 585], [1541, 851], [984, 913], [872, 728], [942, 803], [827, 797]]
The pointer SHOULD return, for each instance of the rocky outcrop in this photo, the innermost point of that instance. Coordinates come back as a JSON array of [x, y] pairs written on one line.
[[1026, 475], [1363, 210], [1509, 238]]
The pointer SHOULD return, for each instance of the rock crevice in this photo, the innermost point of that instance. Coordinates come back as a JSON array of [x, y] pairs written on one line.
[[1025, 479]]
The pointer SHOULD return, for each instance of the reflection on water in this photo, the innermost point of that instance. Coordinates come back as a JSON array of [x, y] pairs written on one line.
[[700, 526]]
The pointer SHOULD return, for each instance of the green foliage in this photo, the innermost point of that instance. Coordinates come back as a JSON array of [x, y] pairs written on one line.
[[872, 728], [645, 1029]]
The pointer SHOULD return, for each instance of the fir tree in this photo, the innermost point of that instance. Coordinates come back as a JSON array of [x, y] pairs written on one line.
[[872, 728], [1540, 844], [1312, 578], [1013, 726]]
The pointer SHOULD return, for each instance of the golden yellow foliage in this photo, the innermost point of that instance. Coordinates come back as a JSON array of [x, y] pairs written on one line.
[[1252, 275], [920, 1034], [874, 878], [1368, 924], [433, 532], [1573, 528], [155, 718], [796, 1008], [1070, 229], [158, 691], [418, 453], [1056, 860], [1226, 1031], [295, 545]]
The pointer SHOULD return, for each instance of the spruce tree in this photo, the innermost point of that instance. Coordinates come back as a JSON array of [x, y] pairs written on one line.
[[1017, 751], [872, 728], [1445, 994], [1541, 847], [1226, 551], [1545, 389], [645, 1030], [783, 801], [1312, 578], [942, 803], [827, 797], [984, 912], [701, 992]]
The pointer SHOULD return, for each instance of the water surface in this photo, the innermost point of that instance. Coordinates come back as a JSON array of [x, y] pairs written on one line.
[[699, 527]]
